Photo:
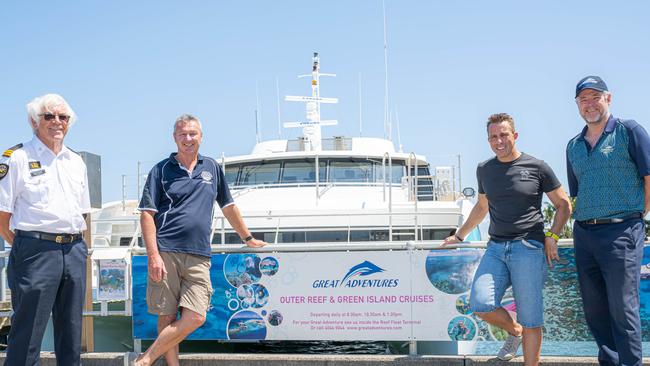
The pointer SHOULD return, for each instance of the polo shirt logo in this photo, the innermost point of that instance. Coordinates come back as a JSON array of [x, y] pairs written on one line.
[[525, 175], [607, 149], [206, 175]]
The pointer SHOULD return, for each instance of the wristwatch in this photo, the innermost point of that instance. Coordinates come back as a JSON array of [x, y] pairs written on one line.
[[552, 235], [247, 239]]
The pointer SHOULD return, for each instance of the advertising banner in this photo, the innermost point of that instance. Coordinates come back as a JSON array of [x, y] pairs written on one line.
[[112, 280], [365, 295], [326, 295]]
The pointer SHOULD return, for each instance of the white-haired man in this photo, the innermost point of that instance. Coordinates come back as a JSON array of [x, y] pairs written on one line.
[[43, 197]]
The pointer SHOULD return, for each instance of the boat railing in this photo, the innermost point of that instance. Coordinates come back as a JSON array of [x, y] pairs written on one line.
[[415, 230], [221, 227], [242, 189]]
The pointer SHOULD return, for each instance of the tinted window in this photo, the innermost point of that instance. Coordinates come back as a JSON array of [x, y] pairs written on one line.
[[397, 170], [326, 236], [302, 172], [231, 174], [437, 234], [260, 174], [349, 171], [292, 237]]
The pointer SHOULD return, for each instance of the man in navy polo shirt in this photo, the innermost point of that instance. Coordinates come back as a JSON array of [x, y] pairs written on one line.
[[608, 167], [177, 210]]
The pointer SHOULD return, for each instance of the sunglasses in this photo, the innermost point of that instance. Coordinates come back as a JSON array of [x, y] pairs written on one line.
[[50, 117]]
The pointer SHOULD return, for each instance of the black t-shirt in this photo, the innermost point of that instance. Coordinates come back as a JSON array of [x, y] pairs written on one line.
[[514, 191]]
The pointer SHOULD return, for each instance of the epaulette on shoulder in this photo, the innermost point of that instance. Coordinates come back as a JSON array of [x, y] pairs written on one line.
[[9, 151]]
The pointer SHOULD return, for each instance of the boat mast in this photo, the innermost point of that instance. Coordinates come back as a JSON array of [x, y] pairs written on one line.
[[258, 117], [388, 133], [311, 129]]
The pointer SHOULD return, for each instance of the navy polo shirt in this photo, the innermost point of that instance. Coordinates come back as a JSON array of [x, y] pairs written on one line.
[[608, 178], [183, 203]]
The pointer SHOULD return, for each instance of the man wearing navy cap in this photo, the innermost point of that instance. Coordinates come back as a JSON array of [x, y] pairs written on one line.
[[608, 167]]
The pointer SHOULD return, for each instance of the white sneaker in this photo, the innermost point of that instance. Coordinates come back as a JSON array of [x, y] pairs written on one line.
[[509, 349], [129, 358]]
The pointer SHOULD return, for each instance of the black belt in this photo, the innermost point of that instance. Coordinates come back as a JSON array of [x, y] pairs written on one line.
[[57, 238], [617, 220]]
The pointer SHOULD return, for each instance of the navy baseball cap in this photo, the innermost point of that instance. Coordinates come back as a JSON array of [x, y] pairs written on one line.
[[591, 82]]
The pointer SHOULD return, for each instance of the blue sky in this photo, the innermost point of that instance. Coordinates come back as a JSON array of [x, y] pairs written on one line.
[[129, 68]]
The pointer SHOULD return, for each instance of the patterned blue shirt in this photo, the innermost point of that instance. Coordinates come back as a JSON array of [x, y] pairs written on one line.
[[608, 178], [183, 203]]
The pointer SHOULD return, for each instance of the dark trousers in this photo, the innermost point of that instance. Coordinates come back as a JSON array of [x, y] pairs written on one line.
[[46, 278], [608, 258]]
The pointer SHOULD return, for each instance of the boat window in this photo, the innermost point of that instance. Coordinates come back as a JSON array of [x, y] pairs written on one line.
[[337, 235], [326, 236], [231, 174], [396, 177], [378, 235], [350, 171], [292, 237], [125, 241], [256, 174], [360, 235], [233, 238], [303, 171], [437, 234]]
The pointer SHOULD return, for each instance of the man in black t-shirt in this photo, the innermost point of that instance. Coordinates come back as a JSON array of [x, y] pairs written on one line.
[[511, 186]]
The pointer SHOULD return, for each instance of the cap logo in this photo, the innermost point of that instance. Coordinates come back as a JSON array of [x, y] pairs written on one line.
[[588, 81]]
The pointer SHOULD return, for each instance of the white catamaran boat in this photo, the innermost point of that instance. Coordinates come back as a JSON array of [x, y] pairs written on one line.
[[315, 190]]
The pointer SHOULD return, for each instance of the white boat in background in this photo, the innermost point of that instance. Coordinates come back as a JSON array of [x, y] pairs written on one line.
[[364, 191]]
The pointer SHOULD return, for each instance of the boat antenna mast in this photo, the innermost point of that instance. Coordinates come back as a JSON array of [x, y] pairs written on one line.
[[388, 133], [258, 117], [311, 128]]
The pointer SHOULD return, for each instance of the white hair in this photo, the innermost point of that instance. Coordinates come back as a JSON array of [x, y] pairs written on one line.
[[43, 103], [186, 118]]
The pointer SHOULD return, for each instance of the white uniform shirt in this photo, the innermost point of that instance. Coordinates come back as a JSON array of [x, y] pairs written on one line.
[[45, 192]]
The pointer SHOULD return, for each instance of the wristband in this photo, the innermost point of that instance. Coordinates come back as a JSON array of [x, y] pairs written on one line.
[[247, 239], [458, 237], [550, 234]]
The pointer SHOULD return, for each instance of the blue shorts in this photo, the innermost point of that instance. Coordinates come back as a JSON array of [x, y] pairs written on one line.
[[520, 263]]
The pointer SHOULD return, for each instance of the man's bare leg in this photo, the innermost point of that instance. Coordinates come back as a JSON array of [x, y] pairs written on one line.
[[532, 345], [532, 337], [171, 336], [171, 356], [502, 319]]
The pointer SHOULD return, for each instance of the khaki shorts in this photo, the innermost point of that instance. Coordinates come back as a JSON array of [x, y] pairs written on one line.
[[186, 284]]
